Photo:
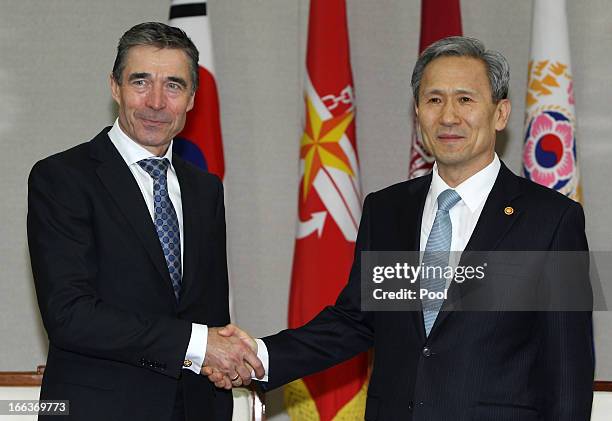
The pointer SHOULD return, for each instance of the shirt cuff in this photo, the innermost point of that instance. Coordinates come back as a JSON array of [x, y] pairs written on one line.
[[196, 350], [262, 354]]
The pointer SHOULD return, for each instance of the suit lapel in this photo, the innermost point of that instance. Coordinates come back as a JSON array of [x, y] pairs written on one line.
[[493, 223], [491, 228], [191, 223], [411, 215], [121, 186], [410, 234]]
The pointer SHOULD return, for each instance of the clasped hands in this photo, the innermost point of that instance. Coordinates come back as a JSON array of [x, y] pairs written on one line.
[[231, 357]]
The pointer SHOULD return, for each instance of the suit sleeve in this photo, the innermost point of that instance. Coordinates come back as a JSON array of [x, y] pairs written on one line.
[[336, 334], [63, 256], [220, 268], [566, 359]]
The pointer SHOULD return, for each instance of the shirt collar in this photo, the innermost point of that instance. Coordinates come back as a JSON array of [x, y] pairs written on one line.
[[130, 151], [474, 190]]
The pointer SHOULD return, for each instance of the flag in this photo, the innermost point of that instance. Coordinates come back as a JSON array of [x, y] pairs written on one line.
[[439, 19], [200, 141], [329, 210], [549, 152]]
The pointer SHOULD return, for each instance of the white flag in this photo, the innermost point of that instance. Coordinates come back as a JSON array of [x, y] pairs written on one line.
[[549, 154]]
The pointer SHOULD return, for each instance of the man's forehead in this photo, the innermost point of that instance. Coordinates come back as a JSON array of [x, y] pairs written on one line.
[[456, 89], [463, 74], [455, 63], [141, 57]]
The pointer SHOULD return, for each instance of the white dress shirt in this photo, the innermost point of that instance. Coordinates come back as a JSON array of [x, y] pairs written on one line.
[[132, 152], [464, 216]]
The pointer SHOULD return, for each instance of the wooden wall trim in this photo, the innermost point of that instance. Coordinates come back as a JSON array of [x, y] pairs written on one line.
[[601, 386], [22, 378], [34, 378]]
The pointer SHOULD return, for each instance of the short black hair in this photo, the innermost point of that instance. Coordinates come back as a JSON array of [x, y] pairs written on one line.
[[159, 35]]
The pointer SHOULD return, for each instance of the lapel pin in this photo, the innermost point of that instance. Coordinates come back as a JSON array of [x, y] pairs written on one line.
[[508, 210]]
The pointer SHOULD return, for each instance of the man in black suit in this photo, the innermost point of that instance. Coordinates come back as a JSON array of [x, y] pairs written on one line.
[[128, 250], [455, 365]]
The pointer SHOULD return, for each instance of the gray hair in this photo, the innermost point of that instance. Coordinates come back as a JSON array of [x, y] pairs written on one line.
[[498, 69], [158, 35]]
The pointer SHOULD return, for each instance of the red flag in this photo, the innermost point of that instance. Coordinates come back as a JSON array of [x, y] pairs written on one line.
[[439, 19], [200, 141], [329, 212]]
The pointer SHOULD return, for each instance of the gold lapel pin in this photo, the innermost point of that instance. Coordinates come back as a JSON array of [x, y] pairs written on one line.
[[508, 210]]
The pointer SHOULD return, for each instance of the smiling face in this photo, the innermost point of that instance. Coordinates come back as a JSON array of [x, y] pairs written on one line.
[[457, 116], [154, 96]]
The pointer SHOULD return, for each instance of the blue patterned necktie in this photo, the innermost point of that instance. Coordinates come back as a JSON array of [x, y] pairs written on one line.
[[436, 255], [165, 219]]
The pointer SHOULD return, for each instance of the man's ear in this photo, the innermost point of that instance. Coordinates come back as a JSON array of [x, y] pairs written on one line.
[[114, 87], [191, 102], [502, 114]]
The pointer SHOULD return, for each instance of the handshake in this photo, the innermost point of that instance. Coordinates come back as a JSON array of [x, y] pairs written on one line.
[[231, 357]]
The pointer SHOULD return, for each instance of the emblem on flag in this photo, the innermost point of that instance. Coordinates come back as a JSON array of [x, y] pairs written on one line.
[[329, 210], [550, 151]]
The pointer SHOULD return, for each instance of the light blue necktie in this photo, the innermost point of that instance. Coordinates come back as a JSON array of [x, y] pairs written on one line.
[[165, 219], [436, 255]]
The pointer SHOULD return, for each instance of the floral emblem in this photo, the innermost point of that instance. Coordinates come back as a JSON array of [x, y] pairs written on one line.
[[549, 155]]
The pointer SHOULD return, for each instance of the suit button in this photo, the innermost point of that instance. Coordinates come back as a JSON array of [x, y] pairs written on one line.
[[427, 352], [410, 406]]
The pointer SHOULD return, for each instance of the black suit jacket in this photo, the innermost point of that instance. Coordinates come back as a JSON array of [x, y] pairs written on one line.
[[503, 366], [117, 336]]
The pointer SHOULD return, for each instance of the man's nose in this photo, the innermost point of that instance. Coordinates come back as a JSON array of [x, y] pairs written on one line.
[[449, 115], [155, 97]]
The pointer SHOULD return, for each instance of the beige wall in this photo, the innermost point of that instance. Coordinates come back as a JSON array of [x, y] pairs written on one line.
[[55, 56]]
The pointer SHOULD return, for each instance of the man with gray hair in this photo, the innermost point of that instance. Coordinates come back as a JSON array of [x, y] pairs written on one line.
[[437, 363], [127, 243]]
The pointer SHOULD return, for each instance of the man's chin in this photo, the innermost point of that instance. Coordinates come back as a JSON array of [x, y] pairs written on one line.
[[153, 141], [449, 159], [154, 137]]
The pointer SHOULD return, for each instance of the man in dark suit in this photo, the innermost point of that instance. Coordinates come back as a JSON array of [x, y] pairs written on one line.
[[455, 365], [128, 250]]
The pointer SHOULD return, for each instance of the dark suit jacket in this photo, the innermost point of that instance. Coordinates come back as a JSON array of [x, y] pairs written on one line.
[[503, 366], [117, 337]]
